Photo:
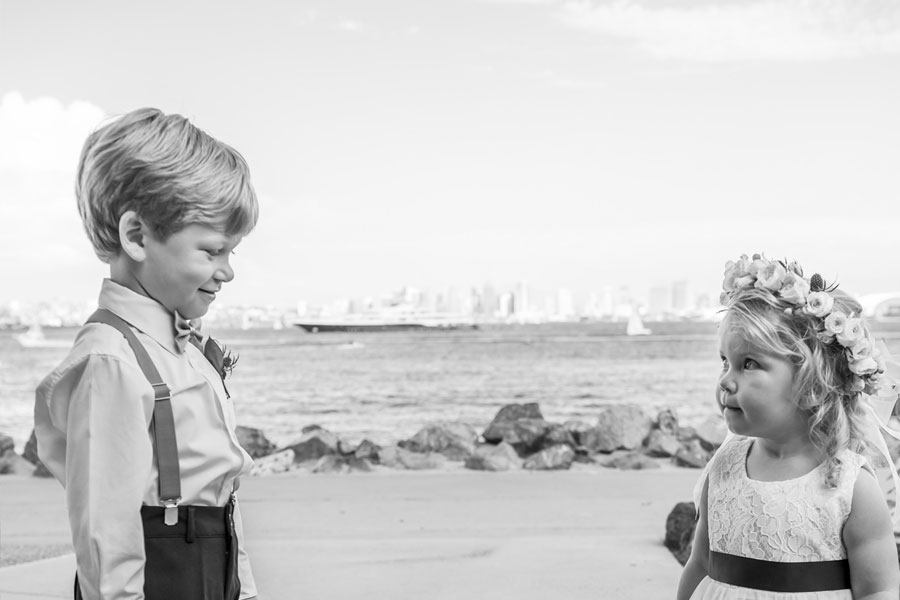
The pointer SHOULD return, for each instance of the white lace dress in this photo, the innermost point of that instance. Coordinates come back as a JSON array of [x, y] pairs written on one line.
[[798, 520]]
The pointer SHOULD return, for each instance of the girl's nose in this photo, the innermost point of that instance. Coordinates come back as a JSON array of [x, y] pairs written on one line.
[[726, 384]]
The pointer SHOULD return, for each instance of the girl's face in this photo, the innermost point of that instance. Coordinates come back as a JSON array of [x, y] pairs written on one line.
[[755, 392]]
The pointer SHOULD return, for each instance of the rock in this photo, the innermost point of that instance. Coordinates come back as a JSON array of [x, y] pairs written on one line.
[[712, 432], [692, 454], [680, 525], [667, 422], [623, 426], [490, 457], [341, 464], [628, 460], [686, 434], [509, 414], [525, 435], [254, 441], [367, 450], [313, 427], [7, 445], [401, 458], [553, 458], [13, 464], [662, 444], [558, 435], [576, 428], [456, 441], [30, 454], [278, 462], [315, 444]]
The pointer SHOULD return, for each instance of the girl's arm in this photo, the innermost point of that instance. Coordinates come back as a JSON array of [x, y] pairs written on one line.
[[697, 565], [869, 539]]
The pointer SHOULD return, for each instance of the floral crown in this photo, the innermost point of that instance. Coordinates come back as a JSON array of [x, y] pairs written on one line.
[[813, 297]]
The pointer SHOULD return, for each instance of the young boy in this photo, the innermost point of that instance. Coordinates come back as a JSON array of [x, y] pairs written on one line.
[[164, 204]]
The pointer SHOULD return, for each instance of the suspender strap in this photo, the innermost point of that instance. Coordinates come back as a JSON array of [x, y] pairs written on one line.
[[163, 423]]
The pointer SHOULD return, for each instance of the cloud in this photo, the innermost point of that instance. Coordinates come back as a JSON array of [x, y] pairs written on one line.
[[43, 135], [745, 30], [40, 141]]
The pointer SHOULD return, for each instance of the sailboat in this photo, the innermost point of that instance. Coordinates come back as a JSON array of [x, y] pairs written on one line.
[[35, 338], [635, 325]]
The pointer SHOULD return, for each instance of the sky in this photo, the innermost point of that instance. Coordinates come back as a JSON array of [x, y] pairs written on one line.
[[566, 143]]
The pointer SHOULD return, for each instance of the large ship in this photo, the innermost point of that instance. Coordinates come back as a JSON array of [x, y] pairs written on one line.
[[393, 322]]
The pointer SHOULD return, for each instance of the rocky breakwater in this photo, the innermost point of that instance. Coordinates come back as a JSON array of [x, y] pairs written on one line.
[[519, 437]]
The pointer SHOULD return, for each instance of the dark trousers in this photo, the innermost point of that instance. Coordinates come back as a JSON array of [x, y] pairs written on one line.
[[195, 559]]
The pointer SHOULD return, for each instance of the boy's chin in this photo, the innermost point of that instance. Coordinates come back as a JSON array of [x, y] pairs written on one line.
[[190, 312]]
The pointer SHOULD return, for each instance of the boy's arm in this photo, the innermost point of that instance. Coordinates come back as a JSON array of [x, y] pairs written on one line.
[[869, 539], [697, 566], [103, 409], [248, 585]]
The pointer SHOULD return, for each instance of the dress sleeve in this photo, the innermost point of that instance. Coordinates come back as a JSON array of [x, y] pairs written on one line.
[[248, 585], [104, 407]]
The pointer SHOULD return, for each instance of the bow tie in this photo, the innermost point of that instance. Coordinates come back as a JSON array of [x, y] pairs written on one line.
[[186, 332]]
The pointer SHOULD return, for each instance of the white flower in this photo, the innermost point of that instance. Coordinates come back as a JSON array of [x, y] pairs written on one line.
[[771, 277], [835, 322], [744, 282], [728, 281], [756, 265], [862, 349], [852, 333], [795, 289], [864, 366], [819, 304]]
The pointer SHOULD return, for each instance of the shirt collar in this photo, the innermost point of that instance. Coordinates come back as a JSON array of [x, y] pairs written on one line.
[[169, 329]]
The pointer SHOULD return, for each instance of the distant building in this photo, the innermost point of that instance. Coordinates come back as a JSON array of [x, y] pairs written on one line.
[[659, 302], [565, 306], [681, 297]]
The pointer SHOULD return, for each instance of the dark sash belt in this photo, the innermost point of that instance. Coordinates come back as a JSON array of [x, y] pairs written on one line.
[[821, 576]]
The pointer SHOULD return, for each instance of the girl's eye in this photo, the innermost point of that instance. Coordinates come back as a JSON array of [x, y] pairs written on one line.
[[213, 252], [749, 363], [724, 362]]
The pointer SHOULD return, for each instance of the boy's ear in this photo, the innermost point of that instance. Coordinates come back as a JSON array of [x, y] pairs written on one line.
[[132, 235]]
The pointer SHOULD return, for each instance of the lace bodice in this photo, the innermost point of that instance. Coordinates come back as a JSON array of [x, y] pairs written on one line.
[[797, 520]]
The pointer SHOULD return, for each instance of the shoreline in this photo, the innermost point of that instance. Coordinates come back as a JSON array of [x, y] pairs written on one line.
[[582, 533]]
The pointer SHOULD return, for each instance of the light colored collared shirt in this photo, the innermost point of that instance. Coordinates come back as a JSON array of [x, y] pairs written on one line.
[[91, 418]]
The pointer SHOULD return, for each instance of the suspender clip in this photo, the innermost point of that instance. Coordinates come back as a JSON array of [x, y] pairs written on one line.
[[171, 512]]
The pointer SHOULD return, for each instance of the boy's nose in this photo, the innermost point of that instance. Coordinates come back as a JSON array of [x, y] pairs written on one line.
[[225, 273]]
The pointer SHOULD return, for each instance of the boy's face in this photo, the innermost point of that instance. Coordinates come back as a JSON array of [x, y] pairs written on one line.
[[185, 271]]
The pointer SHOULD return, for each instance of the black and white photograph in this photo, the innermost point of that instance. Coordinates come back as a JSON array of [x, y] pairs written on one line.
[[445, 299]]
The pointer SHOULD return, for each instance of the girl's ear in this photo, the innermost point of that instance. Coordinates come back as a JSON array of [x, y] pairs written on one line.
[[132, 235]]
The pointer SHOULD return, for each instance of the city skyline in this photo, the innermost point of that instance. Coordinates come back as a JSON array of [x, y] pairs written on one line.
[[568, 144]]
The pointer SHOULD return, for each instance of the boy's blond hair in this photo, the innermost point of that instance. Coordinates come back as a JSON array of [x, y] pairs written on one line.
[[170, 172]]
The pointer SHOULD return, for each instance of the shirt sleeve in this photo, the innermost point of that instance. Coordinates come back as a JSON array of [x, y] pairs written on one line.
[[248, 585], [104, 409]]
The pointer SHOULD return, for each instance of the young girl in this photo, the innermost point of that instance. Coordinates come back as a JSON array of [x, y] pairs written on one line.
[[790, 506]]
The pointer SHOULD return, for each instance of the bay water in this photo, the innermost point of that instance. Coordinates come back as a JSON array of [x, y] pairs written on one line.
[[386, 386]]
